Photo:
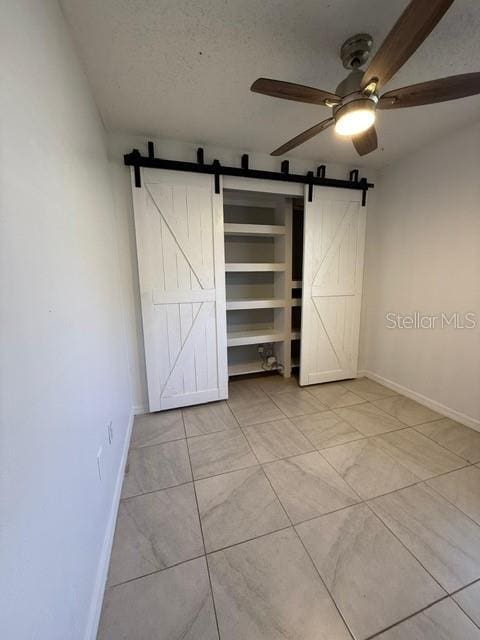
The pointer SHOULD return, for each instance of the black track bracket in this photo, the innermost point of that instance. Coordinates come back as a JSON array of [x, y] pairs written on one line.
[[136, 160], [310, 186]]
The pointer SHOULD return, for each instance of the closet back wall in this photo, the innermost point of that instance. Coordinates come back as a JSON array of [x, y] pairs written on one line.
[[423, 254]]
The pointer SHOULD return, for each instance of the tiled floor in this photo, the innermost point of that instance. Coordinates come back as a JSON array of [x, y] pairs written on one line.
[[334, 512]]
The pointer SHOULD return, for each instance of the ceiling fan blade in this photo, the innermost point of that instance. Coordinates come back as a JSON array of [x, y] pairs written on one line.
[[408, 33], [451, 88], [303, 137], [291, 91], [366, 142]]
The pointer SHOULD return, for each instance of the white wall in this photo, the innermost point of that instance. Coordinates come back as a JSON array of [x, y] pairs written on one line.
[[64, 372], [119, 144], [423, 254]]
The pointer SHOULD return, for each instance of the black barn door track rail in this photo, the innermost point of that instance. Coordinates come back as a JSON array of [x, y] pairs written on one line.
[[136, 160]]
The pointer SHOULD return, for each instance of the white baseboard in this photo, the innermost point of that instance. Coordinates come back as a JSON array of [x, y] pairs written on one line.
[[139, 409], [104, 561], [428, 402]]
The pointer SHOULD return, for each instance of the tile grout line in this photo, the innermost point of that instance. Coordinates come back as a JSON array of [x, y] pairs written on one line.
[[390, 395], [149, 493], [334, 410], [332, 446], [155, 444], [442, 417], [310, 413], [412, 615], [466, 614], [291, 420], [446, 597], [152, 573], [232, 412], [292, 526], [405, 547], [460, 606], [252, 539], [315, 449], [415, 484], [449, 501], [371, 435], [362, 499], [367, 503], [302, 415], [269, 394], [196, 435], [268, 480], [419, 481], [210, 433], [359, 502], [223, 473], [182, 484], [254, 467], [347, 626], [470, 584], [403, 424], [441, 445], [407, 426], [327, 513], [447, 593], [203, 538]]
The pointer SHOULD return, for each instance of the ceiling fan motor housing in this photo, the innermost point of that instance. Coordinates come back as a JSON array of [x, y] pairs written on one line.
[[353, 98], [351, 84], [356, 50]]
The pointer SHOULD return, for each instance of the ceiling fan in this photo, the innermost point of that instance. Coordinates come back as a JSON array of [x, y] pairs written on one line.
[[356, 99]]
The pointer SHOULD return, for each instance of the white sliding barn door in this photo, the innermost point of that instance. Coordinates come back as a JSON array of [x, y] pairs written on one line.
[[334, 240], [179, 231]]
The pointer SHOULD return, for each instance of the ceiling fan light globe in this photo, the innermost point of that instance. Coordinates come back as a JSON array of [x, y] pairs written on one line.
[[355, 122], [355, 117]]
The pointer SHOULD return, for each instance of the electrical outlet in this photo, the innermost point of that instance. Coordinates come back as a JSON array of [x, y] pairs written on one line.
[[99, 462], [110, 432]]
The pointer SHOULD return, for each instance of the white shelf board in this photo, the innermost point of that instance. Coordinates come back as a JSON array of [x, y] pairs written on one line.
[[253, 336], [255, 303], [243, 368], [236, 229], [255, 266], [296, 284]]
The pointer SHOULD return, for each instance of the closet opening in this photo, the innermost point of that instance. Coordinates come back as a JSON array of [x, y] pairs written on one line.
[[263, 264]]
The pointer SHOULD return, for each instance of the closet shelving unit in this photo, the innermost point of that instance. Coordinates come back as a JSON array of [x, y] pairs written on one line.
[[254, 266], [259, 286]]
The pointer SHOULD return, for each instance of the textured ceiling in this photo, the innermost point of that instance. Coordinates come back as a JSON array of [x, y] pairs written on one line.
[[181, 69]]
